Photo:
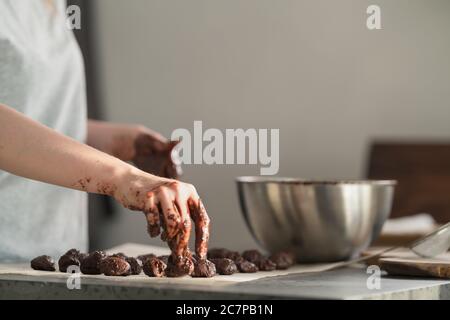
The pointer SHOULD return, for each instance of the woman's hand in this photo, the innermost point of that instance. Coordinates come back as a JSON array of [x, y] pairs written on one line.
[[169, 206], [147, 149]]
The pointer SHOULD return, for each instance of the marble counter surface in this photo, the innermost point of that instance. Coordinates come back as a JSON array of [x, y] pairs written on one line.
[[348, 283], [298, 282]]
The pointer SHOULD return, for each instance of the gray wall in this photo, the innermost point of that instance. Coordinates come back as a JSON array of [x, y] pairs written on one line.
[[310, 68]]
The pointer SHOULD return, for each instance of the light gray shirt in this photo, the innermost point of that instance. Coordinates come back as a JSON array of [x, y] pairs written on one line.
[[42, 76]]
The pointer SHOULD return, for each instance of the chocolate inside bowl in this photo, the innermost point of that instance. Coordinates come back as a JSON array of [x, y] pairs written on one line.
[[321, 221]]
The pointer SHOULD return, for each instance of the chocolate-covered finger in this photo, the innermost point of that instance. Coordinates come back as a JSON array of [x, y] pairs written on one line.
[[153, 226], [182, 237], [152, 215], [171, 215], [183, 210], [178, 245], [201, 221], [163, 225]]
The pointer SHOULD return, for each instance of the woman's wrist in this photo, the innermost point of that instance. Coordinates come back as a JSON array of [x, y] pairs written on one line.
[[133, 185]]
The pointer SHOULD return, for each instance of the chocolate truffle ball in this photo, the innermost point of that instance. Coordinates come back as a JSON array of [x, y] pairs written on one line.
[[182, 266], [254, 256], [245, 266], [66, 261], [154, 267], [43, 263], [91, 264], [134, 265], [72, 257], [283, 259], [203, 269], [265, 264], [114, 266], [224, 266]]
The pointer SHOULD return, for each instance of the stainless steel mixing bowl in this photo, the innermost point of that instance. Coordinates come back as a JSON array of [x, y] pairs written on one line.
[[320, 221]]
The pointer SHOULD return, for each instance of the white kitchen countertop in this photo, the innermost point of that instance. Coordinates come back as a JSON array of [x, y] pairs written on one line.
[[20, 281]]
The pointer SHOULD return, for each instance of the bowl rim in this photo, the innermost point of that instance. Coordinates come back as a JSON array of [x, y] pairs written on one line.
[[291, 180]]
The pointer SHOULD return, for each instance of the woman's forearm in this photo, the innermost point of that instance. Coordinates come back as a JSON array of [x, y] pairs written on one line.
[[32, 150], [114, 139], [119, 139]]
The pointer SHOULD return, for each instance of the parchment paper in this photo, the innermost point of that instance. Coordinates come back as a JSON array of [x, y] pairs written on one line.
[[132, 249]]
